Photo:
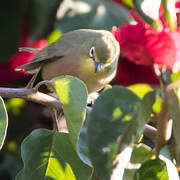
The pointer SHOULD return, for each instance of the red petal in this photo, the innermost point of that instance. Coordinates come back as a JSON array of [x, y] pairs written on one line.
[[132, 42], [164, 47]]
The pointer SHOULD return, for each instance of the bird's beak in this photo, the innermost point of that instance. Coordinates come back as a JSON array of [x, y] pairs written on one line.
[[97, 66]]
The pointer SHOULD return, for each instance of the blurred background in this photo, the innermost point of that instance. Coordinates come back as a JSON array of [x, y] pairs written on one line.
[[37, 23]]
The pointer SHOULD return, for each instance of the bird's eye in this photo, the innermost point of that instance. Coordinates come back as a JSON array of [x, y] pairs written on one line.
[[91, 52]]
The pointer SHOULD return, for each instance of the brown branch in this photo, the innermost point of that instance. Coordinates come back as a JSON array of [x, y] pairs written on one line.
[[31, 95]]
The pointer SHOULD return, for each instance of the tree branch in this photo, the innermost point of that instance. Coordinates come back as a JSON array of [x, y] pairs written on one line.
[[31, 95]]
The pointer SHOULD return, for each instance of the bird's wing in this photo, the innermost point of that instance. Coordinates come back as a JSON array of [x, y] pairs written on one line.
[[54, 51]]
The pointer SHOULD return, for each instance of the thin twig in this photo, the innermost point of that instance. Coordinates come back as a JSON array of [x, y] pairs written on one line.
[[55, 119]]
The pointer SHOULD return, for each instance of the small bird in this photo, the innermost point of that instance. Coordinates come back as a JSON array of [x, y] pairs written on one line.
[[90, 55]]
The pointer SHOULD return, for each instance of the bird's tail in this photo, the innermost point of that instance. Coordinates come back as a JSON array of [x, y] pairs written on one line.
[[28, 49]]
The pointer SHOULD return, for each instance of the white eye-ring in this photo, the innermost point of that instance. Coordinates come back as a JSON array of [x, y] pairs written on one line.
[[91, 52]]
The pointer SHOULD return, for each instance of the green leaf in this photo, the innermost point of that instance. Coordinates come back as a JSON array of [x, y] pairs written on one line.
[[43, 16], [157, 104], [128, 3], [129, 174], [82, 148], [149, 11], [50, 155], [53, 36], [136, 126], [10, 33], [92, 14], [72, 93], [152, 170], [174, 110], [175, 76], [3, 122], [140, 89], [141, 153], [116, 121]]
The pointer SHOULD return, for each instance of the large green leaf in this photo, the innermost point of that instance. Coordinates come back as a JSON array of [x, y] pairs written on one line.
[[3, 122], [50, 155], [43, 16], [116, 121], [11, 23], [152, 170], [93, 14], [72, 93]]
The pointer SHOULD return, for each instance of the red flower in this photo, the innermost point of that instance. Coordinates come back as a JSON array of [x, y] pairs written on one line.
[[145, 46]]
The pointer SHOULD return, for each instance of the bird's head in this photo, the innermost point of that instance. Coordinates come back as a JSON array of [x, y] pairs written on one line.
[[103, 49]]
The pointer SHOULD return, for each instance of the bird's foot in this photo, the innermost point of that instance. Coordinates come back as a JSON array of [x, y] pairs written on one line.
[[32, 80]]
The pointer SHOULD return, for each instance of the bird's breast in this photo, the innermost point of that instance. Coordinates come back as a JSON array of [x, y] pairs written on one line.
[[83, 70]]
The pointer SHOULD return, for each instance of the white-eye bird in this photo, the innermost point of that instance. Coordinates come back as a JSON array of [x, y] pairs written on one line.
[[90, 55]]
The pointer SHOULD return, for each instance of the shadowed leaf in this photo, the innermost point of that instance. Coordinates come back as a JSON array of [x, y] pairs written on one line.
[[92, 14], [43, 16], [116, 122], [152, 170]]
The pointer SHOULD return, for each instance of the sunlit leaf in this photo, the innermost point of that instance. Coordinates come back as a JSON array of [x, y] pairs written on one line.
[[3, 122], [50, 155], [72, 93], [53, 36], [157, 104], [140, 89], [116, 122], [127, 2], [175, 76], [141, 153]]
